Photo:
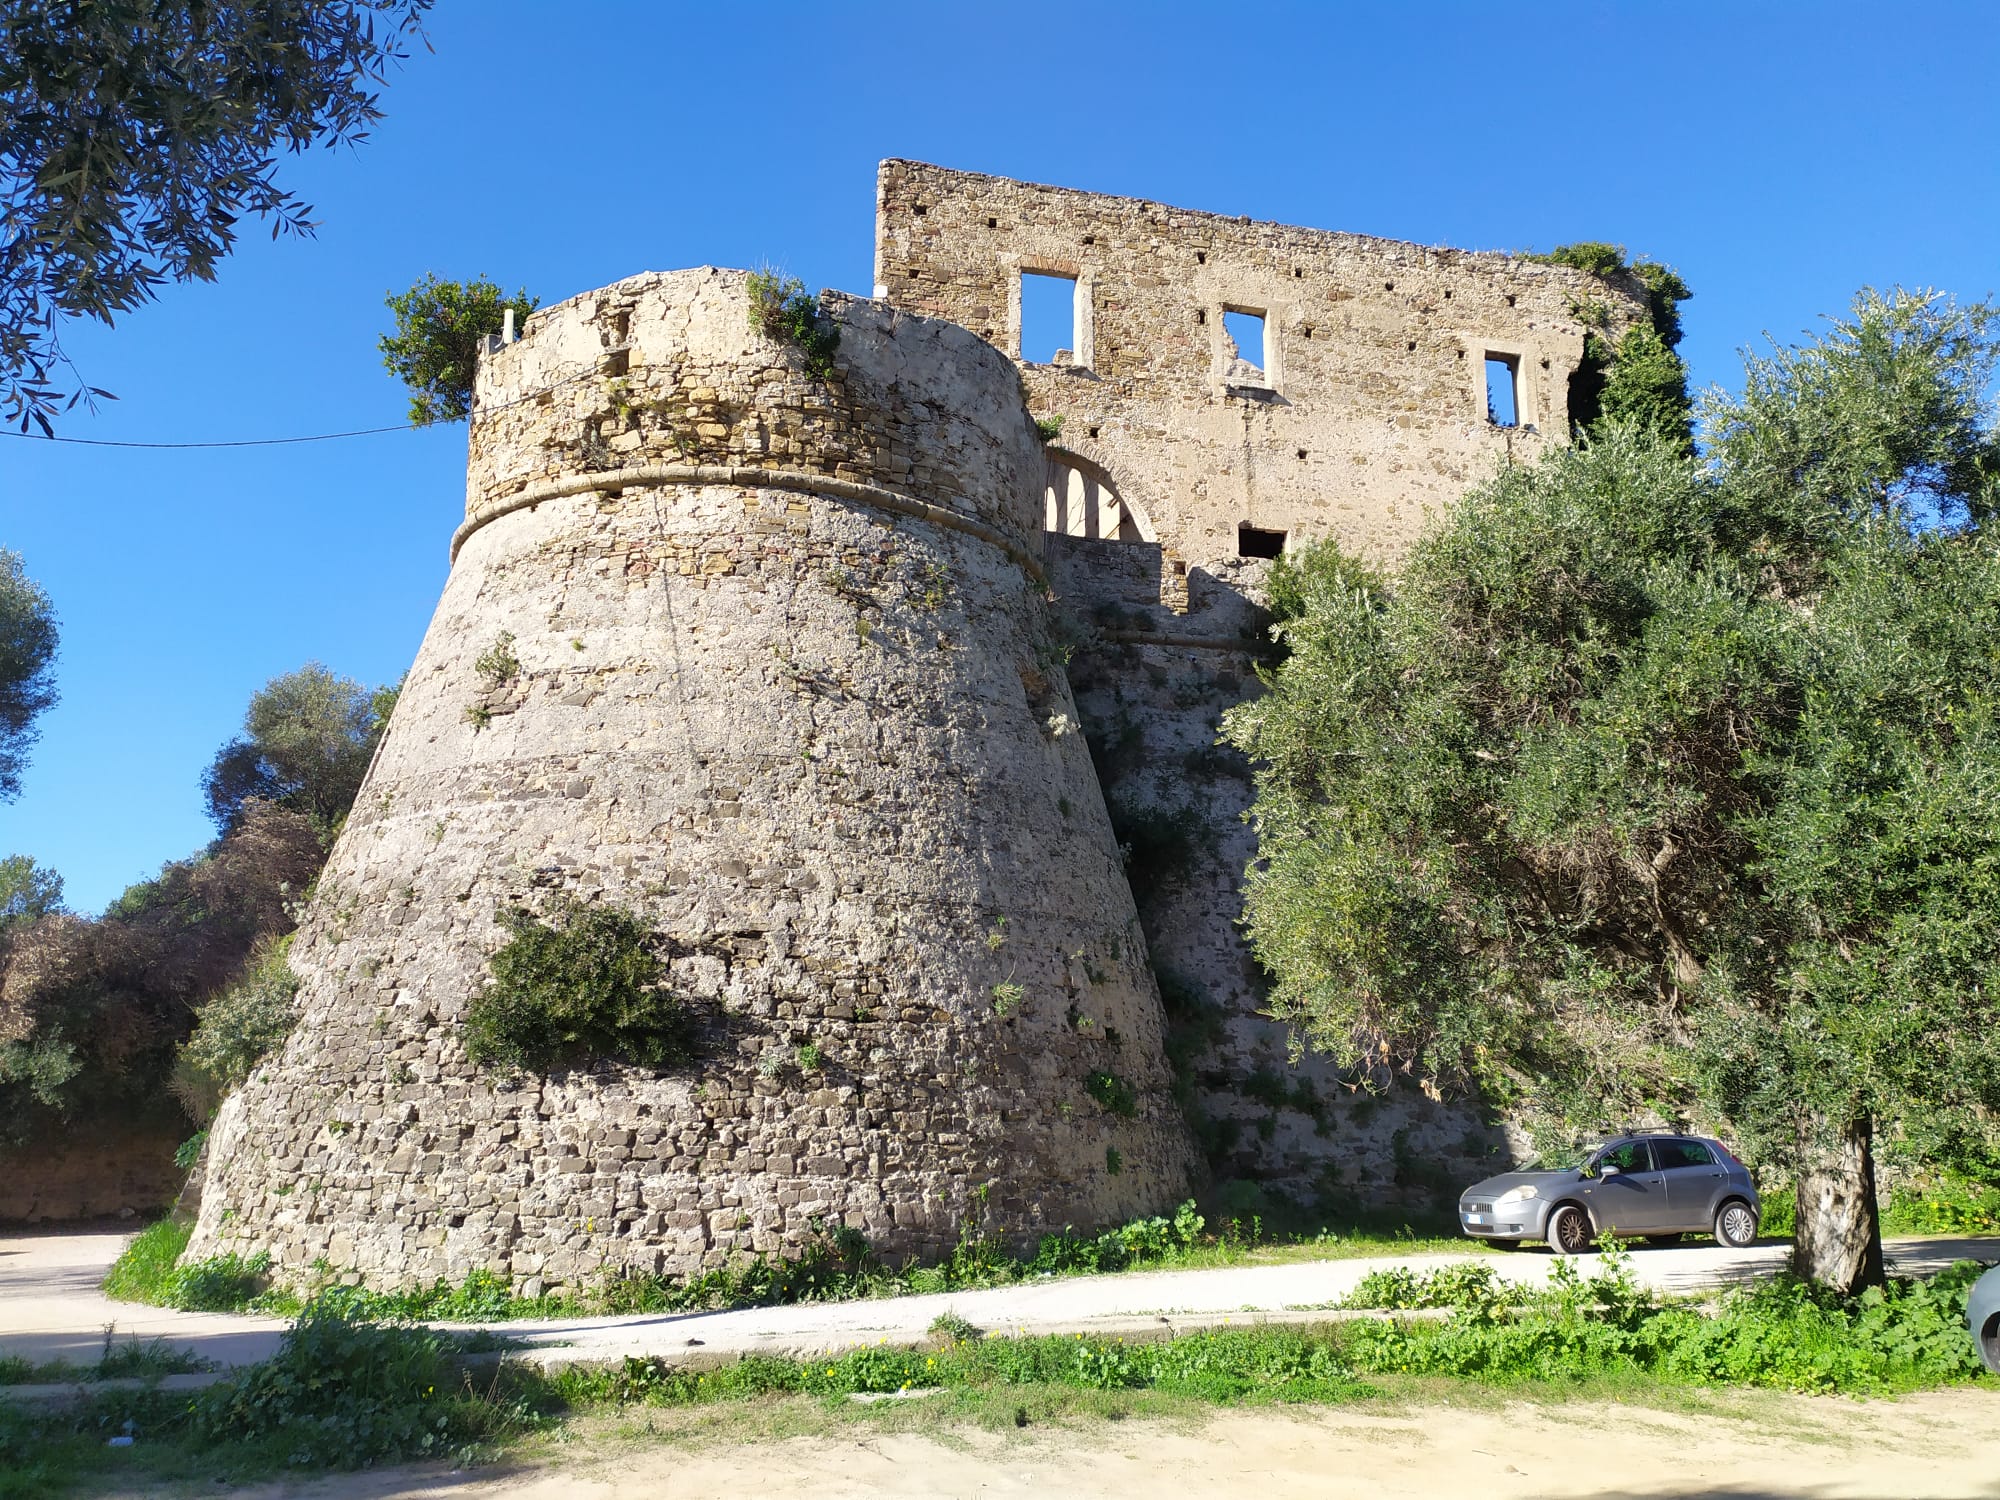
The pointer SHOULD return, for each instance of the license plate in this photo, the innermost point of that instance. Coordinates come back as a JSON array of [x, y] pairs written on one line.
[[1475, 1218]]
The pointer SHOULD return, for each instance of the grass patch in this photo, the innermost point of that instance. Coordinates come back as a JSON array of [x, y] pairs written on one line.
[[341, 1393], [131, 1360], [840, 1268], [149, 1271], [346, 1392], [1785, 1334]]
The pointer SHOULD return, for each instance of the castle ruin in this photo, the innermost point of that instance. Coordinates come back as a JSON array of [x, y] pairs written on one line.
[[802, 671]]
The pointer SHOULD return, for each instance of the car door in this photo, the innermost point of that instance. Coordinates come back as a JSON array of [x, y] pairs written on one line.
[[1694, 1179], [1627, 1195]]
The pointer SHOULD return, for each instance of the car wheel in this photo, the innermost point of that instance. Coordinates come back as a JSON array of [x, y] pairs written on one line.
[[1663, 1240], [1735, 1224], [1504, 1244], [1569, 1230]]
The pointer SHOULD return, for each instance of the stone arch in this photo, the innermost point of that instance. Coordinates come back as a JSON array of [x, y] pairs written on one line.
[[1079, 498]]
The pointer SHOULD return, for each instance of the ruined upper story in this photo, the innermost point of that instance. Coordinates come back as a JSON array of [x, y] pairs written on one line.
[[1373, 387]]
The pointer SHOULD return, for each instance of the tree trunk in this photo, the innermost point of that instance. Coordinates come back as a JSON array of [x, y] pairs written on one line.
[[1837, 1237]]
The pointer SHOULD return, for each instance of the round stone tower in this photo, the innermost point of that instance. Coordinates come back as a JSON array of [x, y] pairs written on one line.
[[764, 659]]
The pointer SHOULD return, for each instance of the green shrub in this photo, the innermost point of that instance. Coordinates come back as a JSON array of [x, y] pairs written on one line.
[[782, 308], [241, 1025], [188, 1152], [1785, 1334], [1465, 1285], [1947, 1205], [1113, 1092], [342, 1392], [434, 350], [150, 1271], [584, 988]]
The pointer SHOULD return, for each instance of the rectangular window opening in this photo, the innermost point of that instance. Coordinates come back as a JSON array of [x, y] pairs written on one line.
[[1254, 541], [1246, 334], [1048, 318], [1502, 390]]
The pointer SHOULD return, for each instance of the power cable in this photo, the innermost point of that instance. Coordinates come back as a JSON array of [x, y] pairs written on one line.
[[318, 437]]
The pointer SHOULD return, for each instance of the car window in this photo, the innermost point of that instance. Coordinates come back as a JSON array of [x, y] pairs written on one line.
[[1683, 1154], [1626, 1156]]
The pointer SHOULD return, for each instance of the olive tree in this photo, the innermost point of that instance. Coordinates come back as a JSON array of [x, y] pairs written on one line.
[[1656, 782], [28, 641], [135, 135], [306, 742]]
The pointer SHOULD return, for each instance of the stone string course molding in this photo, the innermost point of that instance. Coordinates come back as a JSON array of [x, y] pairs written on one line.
[[657, 475], [825, 749]]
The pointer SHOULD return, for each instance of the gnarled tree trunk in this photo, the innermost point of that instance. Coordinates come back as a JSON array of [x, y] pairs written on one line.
[[1837, 1238]]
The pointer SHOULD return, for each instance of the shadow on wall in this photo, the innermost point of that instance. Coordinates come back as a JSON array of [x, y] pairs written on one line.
[[100, 1169]]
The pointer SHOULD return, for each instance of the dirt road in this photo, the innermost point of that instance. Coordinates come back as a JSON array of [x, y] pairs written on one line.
[[1939, 1446]]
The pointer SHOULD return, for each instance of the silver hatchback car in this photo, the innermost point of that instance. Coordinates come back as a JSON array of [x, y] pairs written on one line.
[[1658, 1186]]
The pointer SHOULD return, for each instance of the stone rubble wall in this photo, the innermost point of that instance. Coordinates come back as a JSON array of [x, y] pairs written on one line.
[[1369, 413], [1151, 688], [93, 1170], [826, 749], [1370, 410]]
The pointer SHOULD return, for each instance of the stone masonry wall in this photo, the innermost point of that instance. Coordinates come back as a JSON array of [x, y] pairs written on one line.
[[1364, 412], [824, 745], [93, 1170], [1369, 408]]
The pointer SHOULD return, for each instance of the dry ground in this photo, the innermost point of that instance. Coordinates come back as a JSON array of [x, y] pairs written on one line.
[[1941, 1445]]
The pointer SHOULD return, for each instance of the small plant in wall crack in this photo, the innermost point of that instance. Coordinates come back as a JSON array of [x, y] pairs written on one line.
[[781, 308], [1049, 428], [809, 1057], [1113, 1093], [498, 665], [1007, 998], [996, 936]]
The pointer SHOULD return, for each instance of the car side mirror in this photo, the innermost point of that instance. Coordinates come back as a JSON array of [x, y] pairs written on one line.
[[1610, 1169]]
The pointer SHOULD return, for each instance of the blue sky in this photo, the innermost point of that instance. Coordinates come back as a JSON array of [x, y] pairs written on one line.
[[1779, 155]]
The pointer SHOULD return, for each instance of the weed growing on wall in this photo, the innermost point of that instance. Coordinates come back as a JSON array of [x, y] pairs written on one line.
[[582, 987], [1640, 378], [497, 664], [1113, 1092], [434, 350], [782, 308]]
